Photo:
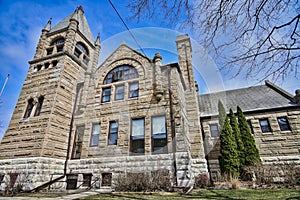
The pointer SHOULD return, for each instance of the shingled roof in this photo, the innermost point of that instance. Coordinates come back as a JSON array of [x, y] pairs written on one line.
[[268, 96], [83, 24]]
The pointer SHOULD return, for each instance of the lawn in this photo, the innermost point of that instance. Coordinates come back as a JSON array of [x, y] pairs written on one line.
[[207, 194]]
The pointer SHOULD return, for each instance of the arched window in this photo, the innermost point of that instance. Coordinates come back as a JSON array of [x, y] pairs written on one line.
[[39, 106], [82, 49], [58, 41], [121, 73], [58, 44], [29, 108]]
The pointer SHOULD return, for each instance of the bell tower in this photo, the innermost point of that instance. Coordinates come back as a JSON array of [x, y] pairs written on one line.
[[65, 56]]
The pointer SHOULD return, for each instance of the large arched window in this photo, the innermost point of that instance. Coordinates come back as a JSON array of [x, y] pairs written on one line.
[[112, 85], [121, 73]]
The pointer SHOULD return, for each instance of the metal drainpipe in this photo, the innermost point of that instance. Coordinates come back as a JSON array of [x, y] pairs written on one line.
[[78, 87], [172, 131]]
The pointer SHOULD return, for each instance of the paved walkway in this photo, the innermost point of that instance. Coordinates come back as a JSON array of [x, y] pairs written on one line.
[[67, 197]]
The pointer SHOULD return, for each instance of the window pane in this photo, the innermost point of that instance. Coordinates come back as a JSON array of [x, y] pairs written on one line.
[[58, 41], [121, 73], [29, 108], [113, 133], [106, 94], [214, 131], [39, 106], [133, 90], [137, 136], [264, 124], [77, 147], [283, 124], [95, 134], [137, 128], [158, 125], [119, 92], [159, 135]]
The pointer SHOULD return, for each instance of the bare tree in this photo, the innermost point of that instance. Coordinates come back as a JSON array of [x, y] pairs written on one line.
[[255, 38]]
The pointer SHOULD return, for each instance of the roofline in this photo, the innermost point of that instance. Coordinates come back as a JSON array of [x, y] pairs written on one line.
[[279, 90], [267, 83], [258, 111], [126, 45]]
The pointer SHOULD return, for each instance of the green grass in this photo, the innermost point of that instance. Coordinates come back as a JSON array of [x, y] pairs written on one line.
[[206, 194]]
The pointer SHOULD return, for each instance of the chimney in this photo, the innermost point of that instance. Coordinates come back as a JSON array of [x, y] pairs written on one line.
[[297, 96]]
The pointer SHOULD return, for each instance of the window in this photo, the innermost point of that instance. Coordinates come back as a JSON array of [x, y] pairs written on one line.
[[95, 135], [106, 179], [13, 178], [39, 67], [265, 126], [87, 180], [80, 48], [214, 130], [121, 73], [39, 106], [49, 51], [133, 90], [72, 181], [77, 53], [77, 147], [59, 48], [47, 65], [250, 126], [137, 136], [283, 124], [29, 108], [106, 94], [113, 133], [59, 43], [119, 92], [159, 135]]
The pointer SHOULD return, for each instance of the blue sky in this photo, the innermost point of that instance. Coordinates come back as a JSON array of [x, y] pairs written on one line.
[[21, 23]]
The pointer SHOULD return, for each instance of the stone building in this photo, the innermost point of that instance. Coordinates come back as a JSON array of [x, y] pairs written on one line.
[[82, 123]]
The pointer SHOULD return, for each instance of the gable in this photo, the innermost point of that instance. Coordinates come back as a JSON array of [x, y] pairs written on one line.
[[124, 55]]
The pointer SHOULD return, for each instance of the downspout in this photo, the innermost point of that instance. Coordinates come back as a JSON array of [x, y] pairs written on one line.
[[172, 131], [78, 87], [36, 189]]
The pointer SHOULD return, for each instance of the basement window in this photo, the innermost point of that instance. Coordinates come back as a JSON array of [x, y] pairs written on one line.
[[264, 125], [283, 123], [72, 181], [159, 135], [137, 138], [13, 178], [87, 180]]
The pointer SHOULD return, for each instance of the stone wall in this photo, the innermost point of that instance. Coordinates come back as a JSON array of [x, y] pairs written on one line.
[[275, 147]]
